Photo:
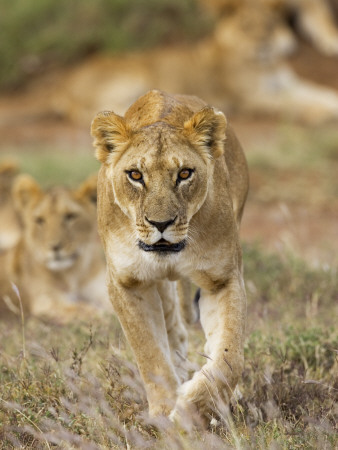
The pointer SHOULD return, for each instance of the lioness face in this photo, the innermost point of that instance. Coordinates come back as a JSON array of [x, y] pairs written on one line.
[[160, 183], [59, 224], [159, 173]]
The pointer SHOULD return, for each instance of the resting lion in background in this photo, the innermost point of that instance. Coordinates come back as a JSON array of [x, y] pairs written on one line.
[[171, 193], [241, 66], [254, 39], [58, 265]]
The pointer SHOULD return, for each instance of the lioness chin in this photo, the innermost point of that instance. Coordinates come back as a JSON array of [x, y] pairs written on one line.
[[171, 192]]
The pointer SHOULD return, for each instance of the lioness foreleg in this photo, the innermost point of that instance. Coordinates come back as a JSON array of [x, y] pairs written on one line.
[[142, 319], [223, 319]]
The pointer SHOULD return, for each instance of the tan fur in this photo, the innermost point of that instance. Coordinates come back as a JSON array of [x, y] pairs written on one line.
[[58, 264], [9, 224], [160, 135]]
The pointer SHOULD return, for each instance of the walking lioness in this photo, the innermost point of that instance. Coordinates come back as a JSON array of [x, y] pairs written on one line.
[[171, 192]]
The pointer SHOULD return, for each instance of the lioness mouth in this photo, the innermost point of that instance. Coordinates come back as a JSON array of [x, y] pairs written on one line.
[[61, 263], [162, 246]]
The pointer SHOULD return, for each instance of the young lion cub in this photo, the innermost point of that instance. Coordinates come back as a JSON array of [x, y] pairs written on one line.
[[58, 264], [171, 192]]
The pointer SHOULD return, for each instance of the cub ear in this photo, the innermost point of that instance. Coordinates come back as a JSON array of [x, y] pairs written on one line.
[[206, 129], [88, 190], [9, 167], [26, 192], [110, 132]]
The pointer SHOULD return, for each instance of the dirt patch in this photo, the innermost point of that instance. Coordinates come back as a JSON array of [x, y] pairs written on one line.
[[310, 233]]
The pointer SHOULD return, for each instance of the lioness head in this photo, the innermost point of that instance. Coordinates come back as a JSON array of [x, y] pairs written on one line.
[[58, 224], [159, 166]]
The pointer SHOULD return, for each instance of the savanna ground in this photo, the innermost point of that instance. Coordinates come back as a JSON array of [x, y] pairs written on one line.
[[77, 386]]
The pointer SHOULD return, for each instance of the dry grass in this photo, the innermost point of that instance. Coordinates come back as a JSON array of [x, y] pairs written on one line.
[[77, 386]]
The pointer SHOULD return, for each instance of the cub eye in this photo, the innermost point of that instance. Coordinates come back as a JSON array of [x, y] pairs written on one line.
[[184, 174], [135, 175], [39, 220], [70, 216]]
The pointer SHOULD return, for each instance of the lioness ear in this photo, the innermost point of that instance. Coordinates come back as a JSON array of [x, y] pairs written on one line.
[[110, 132], [88, 190], [26, 192], [206, 129]]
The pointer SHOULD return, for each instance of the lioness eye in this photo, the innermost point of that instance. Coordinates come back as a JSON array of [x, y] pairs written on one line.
[[39, 220], [185, 174], [135, 175], [70, 216]]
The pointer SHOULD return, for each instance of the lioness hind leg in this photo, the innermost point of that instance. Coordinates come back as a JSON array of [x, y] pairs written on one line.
[[188, 307], [223, 319], [177, 333]]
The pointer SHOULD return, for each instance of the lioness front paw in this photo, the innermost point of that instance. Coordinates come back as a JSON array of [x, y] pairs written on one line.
[[202, 398], [192, 405]]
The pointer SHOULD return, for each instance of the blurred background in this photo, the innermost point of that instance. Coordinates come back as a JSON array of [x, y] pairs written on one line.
[[270, 65]]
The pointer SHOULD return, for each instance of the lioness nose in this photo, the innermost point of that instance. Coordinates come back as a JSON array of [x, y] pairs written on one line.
[[56, 247], [161, 226]]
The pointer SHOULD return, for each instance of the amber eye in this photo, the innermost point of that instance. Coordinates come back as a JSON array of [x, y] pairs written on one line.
[[135, 175], [185, 174]]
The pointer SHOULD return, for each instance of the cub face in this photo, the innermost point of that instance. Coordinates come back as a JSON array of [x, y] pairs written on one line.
[[58, 225], [159, 173]]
